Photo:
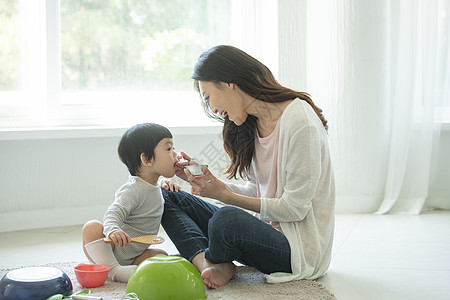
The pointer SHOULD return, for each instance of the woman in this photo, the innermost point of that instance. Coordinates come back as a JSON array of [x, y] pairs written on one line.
[[276, 139]]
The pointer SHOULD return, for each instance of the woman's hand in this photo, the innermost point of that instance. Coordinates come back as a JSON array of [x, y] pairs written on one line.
[[120, 238], [208, 185], [183, 160], [170, 185]]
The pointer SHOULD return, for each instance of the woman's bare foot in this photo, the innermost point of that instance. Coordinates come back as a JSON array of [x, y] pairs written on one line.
[[214, 275], [218, 275]]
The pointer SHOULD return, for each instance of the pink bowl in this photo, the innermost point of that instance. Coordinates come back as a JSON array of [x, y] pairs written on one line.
[[91, 276]]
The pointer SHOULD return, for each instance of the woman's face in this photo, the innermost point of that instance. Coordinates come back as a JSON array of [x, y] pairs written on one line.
[[225, 100]]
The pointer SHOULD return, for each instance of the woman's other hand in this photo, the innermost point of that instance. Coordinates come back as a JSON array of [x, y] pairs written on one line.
[[120, 238], [208, 185]]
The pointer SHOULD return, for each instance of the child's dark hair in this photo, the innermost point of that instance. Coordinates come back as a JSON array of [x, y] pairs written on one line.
[[141, 138]]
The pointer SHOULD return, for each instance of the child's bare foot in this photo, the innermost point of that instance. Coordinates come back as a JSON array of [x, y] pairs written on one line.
[[218, 274]]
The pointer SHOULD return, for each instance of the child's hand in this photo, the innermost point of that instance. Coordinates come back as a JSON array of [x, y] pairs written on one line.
[[120, 238], [169, 184]]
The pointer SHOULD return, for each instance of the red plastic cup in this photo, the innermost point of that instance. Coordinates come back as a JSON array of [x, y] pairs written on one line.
[[91, 276]]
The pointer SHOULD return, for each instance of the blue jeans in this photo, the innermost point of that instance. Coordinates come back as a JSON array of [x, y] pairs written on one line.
[[224, 234]]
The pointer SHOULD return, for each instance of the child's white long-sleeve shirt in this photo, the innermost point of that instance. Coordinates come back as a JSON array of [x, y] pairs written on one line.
[[137, 210]]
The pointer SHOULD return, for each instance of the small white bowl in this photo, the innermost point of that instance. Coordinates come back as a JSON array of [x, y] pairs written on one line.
[[196, 170]]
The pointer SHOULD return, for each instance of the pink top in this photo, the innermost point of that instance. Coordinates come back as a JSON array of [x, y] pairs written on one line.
[[266, 155]]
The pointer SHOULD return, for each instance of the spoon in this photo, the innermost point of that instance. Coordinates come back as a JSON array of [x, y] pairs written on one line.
[[145, 239], [79, 294]]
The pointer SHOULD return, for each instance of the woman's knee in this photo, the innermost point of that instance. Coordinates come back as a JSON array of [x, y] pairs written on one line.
[[228, 213], [225, 219]]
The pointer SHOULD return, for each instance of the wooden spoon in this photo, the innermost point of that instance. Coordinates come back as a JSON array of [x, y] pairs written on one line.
[[145, 239]]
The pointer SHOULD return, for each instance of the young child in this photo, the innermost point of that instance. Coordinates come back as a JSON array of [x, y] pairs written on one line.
[[147, 151]]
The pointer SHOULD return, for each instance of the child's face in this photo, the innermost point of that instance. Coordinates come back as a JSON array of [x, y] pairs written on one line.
[[165, 158]]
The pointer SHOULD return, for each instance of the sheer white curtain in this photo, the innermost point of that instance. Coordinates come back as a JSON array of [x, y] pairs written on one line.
[[419, 33], [380, 70]]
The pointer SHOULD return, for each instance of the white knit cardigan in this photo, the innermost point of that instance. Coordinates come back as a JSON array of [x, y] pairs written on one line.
[[304, 203]]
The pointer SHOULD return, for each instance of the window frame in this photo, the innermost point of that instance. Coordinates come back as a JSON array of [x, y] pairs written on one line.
[[42, 103]]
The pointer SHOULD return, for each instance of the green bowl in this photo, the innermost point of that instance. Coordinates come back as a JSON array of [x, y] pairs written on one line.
[[166, 277]]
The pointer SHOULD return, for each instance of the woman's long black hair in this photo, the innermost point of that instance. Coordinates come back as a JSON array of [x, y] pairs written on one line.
[[229, 64]]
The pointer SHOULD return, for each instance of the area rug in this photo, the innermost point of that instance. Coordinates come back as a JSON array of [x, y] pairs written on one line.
[[247, 284]]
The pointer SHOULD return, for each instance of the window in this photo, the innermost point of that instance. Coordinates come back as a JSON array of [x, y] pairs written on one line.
[[10, 46], [21, 45], [117, 63]]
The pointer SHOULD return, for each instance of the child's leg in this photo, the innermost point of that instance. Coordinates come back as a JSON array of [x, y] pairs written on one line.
[[148, 253], [98, 252], [92, 231]]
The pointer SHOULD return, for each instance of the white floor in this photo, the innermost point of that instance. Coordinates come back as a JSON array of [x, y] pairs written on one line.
[[374, 257]]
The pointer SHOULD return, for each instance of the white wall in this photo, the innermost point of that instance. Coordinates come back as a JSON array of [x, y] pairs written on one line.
[[439, 197], [65, 181]]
